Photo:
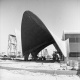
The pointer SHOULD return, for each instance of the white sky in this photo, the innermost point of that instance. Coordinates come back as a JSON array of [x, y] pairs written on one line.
[[57, 15]]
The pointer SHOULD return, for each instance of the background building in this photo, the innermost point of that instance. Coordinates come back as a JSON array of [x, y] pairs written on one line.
[[74, 44]]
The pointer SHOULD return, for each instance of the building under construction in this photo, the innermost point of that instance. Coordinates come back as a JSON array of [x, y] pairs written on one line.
[[12, 46], [35, 36]]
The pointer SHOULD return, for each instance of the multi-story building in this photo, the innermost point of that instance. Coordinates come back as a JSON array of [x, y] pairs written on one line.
[[74, 44]]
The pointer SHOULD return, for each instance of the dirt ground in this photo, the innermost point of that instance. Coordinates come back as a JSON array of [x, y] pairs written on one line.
[[10, 70]]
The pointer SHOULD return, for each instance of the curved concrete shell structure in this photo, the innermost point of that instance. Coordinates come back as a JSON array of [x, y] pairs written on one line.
[[34, 35]]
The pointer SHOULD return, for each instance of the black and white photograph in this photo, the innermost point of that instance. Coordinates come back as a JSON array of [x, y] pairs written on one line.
[[40, 39]]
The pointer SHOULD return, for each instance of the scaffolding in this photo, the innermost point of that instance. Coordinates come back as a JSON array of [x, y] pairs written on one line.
[[12, 46]]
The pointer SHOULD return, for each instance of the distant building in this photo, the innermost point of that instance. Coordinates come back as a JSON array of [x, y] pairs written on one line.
[[74, 44]]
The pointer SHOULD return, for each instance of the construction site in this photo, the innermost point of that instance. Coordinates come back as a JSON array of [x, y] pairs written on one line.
[[40, 40]]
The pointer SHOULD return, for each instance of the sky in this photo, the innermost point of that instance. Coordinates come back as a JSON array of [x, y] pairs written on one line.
[[57, 15]]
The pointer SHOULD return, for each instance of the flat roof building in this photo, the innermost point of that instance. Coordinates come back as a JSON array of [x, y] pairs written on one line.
[[74, 44]]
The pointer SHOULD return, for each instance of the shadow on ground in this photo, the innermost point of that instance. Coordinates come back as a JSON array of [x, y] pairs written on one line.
[[52, 72]]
